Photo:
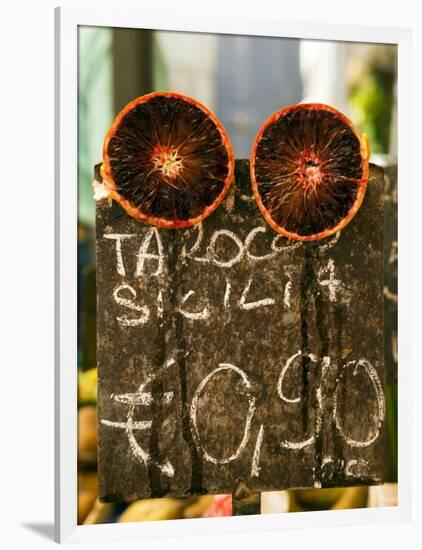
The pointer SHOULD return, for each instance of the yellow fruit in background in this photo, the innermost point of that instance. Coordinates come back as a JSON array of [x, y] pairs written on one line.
[[87, 493], [318, 498], [198, 507], [87, 386], [338, 498], [99, 513], [153, 510], [353, 497], [87, 434]]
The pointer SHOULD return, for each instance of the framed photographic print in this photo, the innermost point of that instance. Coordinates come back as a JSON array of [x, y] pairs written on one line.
[[231, 352]]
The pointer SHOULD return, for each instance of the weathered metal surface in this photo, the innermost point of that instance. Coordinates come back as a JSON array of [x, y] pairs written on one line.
[[226, 352]]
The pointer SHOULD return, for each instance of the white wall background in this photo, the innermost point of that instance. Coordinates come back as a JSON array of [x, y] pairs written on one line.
[[26, 145]]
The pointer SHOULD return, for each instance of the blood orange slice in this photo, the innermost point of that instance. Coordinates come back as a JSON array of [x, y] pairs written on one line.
[[309, 171], [167, 160]]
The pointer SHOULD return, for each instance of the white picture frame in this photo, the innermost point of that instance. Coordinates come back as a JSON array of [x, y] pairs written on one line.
[[67, 21]]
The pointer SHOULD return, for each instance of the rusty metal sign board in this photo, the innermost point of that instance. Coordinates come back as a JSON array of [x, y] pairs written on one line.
[[227, 353]]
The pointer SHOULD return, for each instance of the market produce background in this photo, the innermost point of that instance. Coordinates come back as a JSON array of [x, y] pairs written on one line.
[[243, 80]]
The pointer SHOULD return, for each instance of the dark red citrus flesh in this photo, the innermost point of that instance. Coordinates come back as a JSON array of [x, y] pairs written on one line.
[[309, 171], [167, 160]]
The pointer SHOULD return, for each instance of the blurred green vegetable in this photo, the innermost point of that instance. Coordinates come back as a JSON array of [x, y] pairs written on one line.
[[372, 96]]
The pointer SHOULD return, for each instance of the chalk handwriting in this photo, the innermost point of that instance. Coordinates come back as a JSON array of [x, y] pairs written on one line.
[[223, 367], [151, 248], [119, 257], [144, 255], [225, 249], [379, 417], [212, 255], [283, 373], [243, 304], [242, 249], [193, 315], [130, 304], [255, 469], [143, 398]]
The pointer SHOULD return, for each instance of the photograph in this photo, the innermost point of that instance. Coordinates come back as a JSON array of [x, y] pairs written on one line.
[[236, 275], [211, 275]]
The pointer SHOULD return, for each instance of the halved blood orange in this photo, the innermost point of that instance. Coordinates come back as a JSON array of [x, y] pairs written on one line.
[[309, 171], [167, 160]]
